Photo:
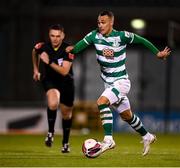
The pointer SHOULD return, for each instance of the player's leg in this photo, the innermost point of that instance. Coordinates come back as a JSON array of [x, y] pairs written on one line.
[[112, 95], [135, 122], [108, 97], [123, 107], [66, 126], [66, 107], [53, 96]]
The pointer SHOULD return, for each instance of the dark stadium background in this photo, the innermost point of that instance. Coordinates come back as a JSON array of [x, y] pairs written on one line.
[[155, 84]]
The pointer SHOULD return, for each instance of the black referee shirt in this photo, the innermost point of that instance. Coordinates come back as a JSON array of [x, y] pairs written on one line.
[[56, 56]]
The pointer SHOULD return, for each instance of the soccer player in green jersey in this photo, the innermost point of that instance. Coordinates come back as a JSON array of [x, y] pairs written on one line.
[[110, 47]]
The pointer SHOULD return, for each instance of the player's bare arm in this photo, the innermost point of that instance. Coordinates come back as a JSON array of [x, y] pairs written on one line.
[[63, 69], [44, 57], [35, 61]]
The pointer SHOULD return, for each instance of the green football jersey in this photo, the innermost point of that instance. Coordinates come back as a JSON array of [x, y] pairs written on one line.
[[110, 53]]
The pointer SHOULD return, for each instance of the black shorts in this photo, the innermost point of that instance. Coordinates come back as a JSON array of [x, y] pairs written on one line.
[[66, 90]]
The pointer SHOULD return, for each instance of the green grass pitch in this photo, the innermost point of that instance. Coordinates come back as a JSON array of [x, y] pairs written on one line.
[[29, 151]]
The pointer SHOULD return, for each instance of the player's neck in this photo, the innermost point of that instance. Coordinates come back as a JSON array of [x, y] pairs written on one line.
[[57, 46], [109, 32]]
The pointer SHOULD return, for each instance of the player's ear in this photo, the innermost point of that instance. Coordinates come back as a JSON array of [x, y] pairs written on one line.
[[112, 21], [63, 35]]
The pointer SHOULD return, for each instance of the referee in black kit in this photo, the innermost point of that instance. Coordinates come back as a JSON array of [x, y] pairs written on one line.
[[57, 80]]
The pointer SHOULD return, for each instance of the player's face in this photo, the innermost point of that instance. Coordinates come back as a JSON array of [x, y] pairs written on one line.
[[105, 24], [56, 37]]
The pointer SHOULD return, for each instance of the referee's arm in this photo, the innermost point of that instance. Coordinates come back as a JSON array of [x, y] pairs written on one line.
[[64, 69], [35, 62]]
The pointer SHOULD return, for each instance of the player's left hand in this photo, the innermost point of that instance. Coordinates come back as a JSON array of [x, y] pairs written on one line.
[[164, 53], [44, 57]]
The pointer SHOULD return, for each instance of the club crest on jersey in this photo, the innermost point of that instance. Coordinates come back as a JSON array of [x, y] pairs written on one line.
[[116, 42], [108, 53]]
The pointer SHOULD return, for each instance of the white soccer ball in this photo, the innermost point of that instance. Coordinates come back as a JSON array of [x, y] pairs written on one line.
[[91, 148]]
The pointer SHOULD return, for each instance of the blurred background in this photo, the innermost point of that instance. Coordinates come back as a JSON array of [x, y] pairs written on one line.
[[154, 94]]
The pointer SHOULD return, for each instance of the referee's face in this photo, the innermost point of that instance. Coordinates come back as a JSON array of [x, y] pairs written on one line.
[[105, 24], [56, 37]]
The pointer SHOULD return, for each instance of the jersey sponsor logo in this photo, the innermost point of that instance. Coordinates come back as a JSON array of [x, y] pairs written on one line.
[[60, 61], [71, 56], [108, 53]]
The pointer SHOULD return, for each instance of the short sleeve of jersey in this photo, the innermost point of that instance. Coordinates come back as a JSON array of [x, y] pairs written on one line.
[[39, 47], [127, 37], [89, 37], [68, 57]]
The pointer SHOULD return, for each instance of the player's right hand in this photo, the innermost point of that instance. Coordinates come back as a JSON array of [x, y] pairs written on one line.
[[39, 45], [69, 49], [45, 57], [36, 76]]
